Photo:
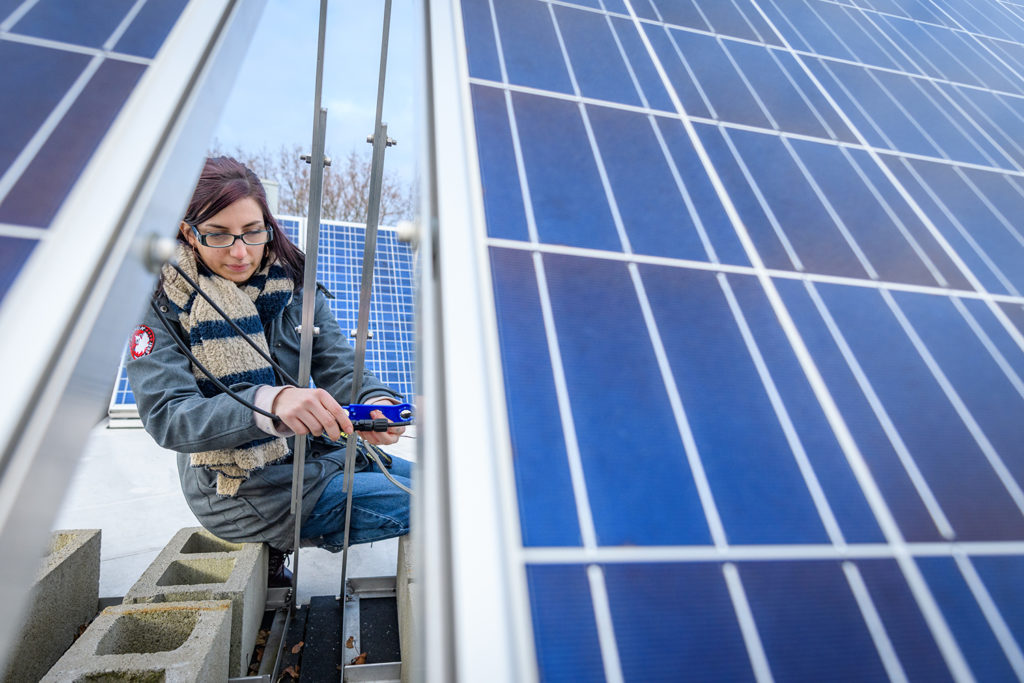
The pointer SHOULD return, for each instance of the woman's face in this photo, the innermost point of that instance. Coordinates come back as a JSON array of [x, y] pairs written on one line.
[[239, 261]]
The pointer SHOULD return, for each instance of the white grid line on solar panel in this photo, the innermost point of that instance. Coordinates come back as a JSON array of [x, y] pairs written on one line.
[[873, 621], [732, 125], [868, 184], [605, 625], [868, 485], [748, 628], [748, 270], [825, 25], [16, 14], [71, 47], [9, 230], [768, 551], [955, 26]]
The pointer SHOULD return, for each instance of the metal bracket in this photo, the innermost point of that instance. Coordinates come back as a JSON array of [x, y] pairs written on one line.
[[308, 158]]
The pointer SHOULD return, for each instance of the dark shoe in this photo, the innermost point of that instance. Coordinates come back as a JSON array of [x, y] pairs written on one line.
[[278, 576]]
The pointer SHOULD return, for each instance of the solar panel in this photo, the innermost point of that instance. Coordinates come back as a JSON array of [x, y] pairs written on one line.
[[106, 109], [389, 351], [753, 274]]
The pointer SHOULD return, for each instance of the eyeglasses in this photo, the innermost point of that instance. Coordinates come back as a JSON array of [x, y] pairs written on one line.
[[222, 240]]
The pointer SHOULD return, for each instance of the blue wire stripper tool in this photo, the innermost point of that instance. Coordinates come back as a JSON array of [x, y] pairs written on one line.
[[394, 416]]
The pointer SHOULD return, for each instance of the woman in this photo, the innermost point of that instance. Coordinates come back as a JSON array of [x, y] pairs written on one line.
[[234, 461]]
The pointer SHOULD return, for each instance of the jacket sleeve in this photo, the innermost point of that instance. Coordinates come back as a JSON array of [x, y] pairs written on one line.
[[333, 361], [174, 410]]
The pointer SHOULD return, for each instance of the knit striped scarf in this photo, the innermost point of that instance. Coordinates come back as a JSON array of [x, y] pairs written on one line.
[[225, 353]]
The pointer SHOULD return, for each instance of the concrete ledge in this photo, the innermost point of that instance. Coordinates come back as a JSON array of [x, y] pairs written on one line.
[[405, 593], [181, 642], [196, 565], [64, 599]]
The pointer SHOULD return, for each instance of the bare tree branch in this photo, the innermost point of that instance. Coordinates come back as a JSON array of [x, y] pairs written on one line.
[[346, 184]]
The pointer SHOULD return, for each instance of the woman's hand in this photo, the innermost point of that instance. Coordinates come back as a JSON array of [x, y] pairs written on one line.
[[382, 438], [312, 411]]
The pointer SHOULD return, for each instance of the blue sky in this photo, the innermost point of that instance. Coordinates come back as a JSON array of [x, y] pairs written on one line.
[[272, 100]]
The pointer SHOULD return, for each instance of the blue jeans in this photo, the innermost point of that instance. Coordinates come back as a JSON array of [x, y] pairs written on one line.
[[379, 508]]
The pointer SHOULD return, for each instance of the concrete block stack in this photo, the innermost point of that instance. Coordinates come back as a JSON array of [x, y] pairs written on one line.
[[196, 565], [65, 596], [180, 642]]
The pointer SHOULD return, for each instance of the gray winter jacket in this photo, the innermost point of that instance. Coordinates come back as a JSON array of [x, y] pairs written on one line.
[[180, 418]]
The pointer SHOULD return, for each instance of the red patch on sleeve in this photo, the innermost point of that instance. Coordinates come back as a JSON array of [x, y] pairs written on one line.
[[142, 341]]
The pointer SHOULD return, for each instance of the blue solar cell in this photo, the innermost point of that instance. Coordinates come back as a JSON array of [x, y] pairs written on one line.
[[594, 55], [567, 196], [499, 175], [740, 21], [651, 86], [659, 633], [755, 221], [725, 244], [1001, 576], [800, 218], [812, 628], [546, 504], [940, 266], [41, 79], [563, 623], [693, 102], [654, 213], [754, 477], [835, 172], [729, 96], [999, 242], [951, 460], [480, 47], [890, 474], [919, 656], [150, 27], [530, 46], [615, 390], [13, 254], [803, 29], [987, 392], [845, 500], [900, 131], [966, 620], [679, 13], [41, 189], [89, 24], [841, 23]]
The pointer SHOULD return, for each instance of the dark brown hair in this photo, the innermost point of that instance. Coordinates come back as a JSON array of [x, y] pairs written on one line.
[[222, 183]]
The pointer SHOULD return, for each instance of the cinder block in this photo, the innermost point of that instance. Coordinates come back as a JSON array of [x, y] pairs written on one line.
[[64, 599], [174, 642], [196, 565], [405, 589]]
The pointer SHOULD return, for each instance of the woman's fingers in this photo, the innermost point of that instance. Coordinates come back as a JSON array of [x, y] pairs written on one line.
[[311, 411]]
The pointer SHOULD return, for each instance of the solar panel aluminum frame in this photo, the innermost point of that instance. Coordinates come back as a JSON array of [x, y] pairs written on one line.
[[73, 303], [475, 620]]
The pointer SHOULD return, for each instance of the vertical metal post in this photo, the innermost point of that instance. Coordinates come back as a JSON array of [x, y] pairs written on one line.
[[316, 178], [380, 144]]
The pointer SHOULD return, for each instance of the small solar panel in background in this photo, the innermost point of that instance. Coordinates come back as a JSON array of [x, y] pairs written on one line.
[[389, 352], [757, 270]]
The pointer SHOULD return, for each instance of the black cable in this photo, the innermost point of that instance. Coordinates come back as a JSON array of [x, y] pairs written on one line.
[[220, 385], [284, 374]]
